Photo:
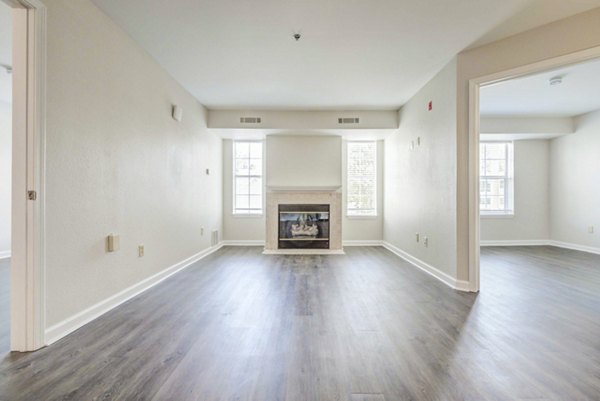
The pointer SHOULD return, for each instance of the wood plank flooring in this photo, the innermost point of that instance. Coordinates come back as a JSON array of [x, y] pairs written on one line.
[[365, 326]]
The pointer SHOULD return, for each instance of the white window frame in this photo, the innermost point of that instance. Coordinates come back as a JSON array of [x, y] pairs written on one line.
[[259, 212], [508, 178], [350, 213]]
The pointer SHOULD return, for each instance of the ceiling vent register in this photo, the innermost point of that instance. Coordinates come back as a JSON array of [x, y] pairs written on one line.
[[250, 120], [348, 120]]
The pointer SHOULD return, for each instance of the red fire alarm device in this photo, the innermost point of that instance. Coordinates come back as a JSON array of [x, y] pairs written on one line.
[[430, 106]]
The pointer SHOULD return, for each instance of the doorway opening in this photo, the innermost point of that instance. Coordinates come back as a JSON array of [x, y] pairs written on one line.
[[22, 133], [530, 154]]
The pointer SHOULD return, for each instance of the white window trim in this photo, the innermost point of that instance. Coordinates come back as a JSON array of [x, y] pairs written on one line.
[[509, 193], [243, 215], [375, 213]]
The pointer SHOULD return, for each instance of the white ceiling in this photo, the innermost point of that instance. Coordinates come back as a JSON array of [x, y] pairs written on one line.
[[533, 96], [5, 52], [353, 54]]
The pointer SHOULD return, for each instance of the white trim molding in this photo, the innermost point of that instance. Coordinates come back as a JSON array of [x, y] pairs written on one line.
[[244, 242], [4, 254], [303, 252], [543, 242], [575, 247], [365, 242], [69, 325], [460, 285], [519, 242]]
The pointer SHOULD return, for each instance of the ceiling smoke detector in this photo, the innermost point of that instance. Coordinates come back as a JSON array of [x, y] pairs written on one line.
[[555, 80]]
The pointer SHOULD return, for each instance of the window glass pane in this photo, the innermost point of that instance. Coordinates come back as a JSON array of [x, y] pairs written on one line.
[[242, 202], [242, 150], [255, 186], [361, 162], [255, 201], [256, 150], [255, 166], [242, 167], [242, 185], [495, 151], [495, 167]]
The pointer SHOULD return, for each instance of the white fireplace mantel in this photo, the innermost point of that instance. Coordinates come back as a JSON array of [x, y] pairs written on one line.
[[281, 188]]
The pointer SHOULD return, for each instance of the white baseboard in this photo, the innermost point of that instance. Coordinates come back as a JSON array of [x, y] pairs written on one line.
[[4, 254], [522, 242], [67, 326], [541, 242], [450, 281], [576, 247], [362, 243], [303, 252], [246, 242]]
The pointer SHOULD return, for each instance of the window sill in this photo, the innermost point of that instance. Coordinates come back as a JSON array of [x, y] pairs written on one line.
[[362, 217], [497, 215], [247, 215]]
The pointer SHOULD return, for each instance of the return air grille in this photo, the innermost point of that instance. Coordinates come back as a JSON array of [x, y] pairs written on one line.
[[348, 120], [250, 120]]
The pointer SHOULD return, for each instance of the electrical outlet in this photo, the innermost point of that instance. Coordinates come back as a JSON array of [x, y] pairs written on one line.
[[418, 141], [412, 145], [417, 236], [590, 229], [141, 251], [426, 242], [201, 230]]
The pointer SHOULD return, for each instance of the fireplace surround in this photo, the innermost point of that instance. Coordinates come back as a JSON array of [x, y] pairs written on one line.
[[314, 204]]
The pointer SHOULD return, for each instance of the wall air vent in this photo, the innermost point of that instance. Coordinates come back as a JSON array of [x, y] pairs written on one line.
[[348, 120], [250, 120]]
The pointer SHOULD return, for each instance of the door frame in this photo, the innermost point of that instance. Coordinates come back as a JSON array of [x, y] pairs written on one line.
[[28, 307], [475, 85]]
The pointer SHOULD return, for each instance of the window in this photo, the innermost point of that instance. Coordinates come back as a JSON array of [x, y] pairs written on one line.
[[496, 178], [247, 177], [362, 179]]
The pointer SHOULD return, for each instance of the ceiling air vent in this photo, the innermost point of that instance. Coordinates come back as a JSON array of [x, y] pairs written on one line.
[[250, 120], [348, 120]]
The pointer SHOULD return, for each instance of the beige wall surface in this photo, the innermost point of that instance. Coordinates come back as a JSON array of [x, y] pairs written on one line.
[[118, 163], [560, 38], [531, 197], [575, 184], [420, 190]]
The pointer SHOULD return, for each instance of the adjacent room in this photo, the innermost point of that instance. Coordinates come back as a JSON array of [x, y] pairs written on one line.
[[5, 171], [540, 196], [277, 200]]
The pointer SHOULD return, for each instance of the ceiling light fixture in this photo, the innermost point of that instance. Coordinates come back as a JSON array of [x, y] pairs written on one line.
[[297, 36], [556, 80]]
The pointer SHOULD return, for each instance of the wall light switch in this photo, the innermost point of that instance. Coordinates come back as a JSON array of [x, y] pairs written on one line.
[[417, 237], [201, 230], [426, 242], [141, 251], [113, 243], [591, 229], [412, 145], [207, 171]]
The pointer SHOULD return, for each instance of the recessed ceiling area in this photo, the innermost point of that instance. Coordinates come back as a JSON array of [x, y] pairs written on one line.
[[352, 55], [530, 96]]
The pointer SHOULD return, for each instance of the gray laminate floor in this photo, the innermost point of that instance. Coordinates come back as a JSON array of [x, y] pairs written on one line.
[[4, 306], [367, 326]]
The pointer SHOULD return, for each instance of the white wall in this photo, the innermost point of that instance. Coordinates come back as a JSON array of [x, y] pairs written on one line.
[[5, 175], [304, 161], [531, 196], [575, 183], [420, 184], [364, 229], [118, 163]]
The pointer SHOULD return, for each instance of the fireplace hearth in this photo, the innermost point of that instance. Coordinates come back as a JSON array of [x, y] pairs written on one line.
[[303, 226]]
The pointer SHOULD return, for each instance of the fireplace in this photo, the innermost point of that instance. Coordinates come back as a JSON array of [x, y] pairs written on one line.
[[303, 226]]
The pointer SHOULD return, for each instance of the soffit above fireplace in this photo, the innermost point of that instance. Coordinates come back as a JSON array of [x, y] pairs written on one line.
[[319, 188]]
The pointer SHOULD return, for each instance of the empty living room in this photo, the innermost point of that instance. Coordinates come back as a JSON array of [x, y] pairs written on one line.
[[300, 200]]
